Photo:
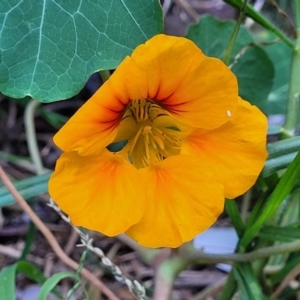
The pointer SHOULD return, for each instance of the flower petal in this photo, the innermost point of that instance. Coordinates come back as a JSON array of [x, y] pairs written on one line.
[[181, 202], [236, 151], [95, 125], [102, 193], [197, 89]]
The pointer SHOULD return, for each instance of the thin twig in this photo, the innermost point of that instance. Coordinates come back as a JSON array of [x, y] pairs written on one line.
[[51, 239], [70, 245], [188, 8], [294, 273], [246, 205], [286, 16], [245, 48], [211, 289], [71, 242]]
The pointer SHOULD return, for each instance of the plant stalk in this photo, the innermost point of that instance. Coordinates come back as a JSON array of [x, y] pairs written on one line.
[[234, 35], [293, 106], [168, 265], [260, 19]]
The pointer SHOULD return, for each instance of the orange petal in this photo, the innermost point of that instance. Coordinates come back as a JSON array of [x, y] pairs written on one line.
[[93, 126], [236, 151], [96, 124], [102, 193], [181, 201], [206, 95], [197, 89]]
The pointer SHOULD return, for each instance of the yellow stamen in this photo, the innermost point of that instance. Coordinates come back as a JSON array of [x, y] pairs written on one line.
[[159, 142], [152, 141], [135, 140]]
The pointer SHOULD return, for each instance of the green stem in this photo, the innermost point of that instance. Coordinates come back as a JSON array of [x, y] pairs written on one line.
[[234, 35], [169, 268], [283, 147], [206, 258], [166, 273], [246, 205], [235, 217], [293, 106], [260, 19], [31, 136]]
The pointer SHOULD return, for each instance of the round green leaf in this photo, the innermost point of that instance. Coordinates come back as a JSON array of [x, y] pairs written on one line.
[[213, 35], [255, 73], [281, 56], [49, 48]]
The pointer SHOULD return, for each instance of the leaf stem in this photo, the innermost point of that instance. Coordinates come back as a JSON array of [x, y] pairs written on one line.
[[31, 136], [234, 35], [293, 106]]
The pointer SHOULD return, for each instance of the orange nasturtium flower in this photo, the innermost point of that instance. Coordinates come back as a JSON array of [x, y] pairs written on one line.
[[190, 142]]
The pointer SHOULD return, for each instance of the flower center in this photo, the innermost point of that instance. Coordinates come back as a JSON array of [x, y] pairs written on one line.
[[154, 133]]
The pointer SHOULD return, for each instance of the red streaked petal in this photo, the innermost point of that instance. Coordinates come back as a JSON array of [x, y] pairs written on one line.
[[93, 126], [197, 89]]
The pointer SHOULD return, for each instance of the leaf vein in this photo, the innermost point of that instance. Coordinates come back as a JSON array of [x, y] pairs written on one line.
[[134, 20], [39, 45]]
